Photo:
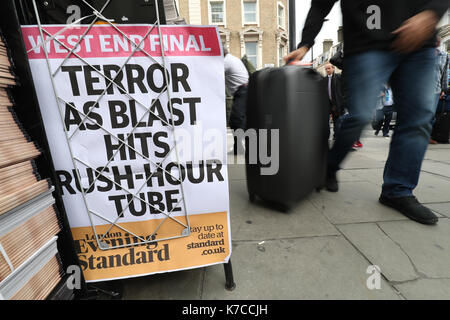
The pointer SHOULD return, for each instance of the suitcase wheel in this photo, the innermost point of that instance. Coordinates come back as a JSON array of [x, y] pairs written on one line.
[[285, 208]]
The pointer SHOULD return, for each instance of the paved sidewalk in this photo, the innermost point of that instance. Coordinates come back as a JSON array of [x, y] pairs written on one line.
[[323, 247]]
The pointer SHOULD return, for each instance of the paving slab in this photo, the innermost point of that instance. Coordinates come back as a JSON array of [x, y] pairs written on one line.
[[375, 155], [355, 202], [374, 176], [428, 247], [307, 268], [440, 208], [236, 172], [356, 160], [439, 146], [437, 167], [438, 155], [179, 285], [380, 250], [349, 176], [426, 289], [257, 221], [431, 187]]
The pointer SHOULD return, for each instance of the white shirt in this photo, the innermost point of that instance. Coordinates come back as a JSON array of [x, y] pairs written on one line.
[[235, 73], [329, 86], [388, 97]]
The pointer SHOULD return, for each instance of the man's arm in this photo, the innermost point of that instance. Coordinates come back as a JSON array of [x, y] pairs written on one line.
[[314, 21], [413, 33], [338, 60]]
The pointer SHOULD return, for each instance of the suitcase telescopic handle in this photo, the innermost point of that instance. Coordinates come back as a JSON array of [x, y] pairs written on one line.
[[292, 62], [305, 66]]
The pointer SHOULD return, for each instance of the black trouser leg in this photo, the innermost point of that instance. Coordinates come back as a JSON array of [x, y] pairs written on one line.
[[238, 114], [239, 109], [387, 110]]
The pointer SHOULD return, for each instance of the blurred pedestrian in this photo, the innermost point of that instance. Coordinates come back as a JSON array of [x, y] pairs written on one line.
[[236, 80], [386, 40], [386, 112], [441, 81], [338, 61], [333, 83]]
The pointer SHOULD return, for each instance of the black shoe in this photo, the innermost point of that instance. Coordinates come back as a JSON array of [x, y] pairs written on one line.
[[386, 135], [376, 132], [411, 208], [331, 184]]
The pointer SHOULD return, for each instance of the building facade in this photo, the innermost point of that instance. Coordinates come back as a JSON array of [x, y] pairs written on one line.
[[328, 51], [256, 28]]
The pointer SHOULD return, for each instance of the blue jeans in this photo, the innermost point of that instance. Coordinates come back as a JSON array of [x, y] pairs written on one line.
[[411, 77]]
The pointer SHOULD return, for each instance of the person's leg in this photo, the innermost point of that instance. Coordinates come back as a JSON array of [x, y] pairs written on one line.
[[238, 109], [365, 74], [387, 119], [413, 86], [329, 126], [379, 116], [336, 125], [238, 116]]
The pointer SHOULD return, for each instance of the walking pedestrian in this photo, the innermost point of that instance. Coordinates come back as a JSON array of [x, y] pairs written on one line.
[[236, 80], [397, 40], [338, 60], [387, 110], [333, 83], [441, 81]]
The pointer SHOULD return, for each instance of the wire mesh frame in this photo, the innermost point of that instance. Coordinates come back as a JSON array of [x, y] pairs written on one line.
[[98, 15]]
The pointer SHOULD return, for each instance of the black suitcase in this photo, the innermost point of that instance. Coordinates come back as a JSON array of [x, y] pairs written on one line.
[[441, 128], [292, 99]]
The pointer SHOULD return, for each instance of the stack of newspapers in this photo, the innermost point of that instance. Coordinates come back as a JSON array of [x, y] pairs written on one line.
[[29, 262]]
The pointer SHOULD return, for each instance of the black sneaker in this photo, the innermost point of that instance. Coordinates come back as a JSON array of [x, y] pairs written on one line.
[[411, 208], [331, 184]]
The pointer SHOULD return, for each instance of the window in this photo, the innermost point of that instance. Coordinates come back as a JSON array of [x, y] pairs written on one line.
[[280, 55], [281, 18], [251, 50], [250, 12], [217, 12]]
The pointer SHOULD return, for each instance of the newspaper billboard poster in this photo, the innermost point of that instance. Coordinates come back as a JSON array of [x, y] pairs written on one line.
[[135, 120]]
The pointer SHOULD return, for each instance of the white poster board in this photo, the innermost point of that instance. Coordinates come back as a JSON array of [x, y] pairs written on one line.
[[133, 191]]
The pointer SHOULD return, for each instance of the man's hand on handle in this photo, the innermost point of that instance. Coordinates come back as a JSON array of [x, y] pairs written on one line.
[[296, 55], [413, 33]]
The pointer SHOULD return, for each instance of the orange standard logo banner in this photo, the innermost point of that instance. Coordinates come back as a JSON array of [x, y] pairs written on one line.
[[206, 245]]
